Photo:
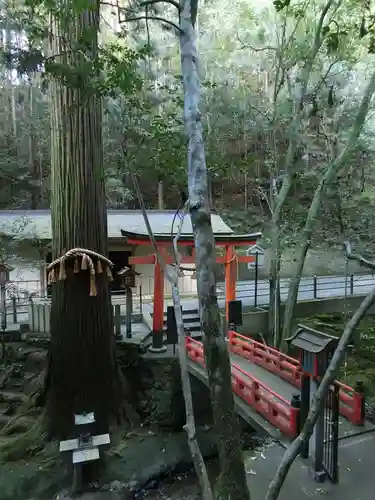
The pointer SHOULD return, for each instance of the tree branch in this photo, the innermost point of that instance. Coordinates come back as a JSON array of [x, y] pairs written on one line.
[[177, 254], [255, 49], [318, 401], [149, 229], [147, 3], [353, 256], [152, 18]]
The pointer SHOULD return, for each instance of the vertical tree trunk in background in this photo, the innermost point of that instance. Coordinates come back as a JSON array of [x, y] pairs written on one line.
[[33, 160], [232, 483], [277, 202], [82, 373], [160, 195], [329, 176]]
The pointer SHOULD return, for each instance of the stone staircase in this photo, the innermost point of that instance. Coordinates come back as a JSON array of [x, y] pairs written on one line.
[[192, 322]]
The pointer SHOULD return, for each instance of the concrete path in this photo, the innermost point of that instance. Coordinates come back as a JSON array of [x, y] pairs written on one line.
[[356, 473]]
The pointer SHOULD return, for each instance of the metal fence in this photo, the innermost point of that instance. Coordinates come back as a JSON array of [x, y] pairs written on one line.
[[20, 294], [257, 293]]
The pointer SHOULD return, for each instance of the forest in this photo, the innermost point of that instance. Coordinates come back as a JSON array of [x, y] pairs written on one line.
[[260, 111]]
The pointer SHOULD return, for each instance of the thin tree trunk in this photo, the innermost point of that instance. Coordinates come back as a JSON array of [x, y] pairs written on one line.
[[82, 372], [292, 156], [198, 461], [274, 319], [329, 176], [172, 277], [316, 407], [33, 160], [161, 195], [233, 478]]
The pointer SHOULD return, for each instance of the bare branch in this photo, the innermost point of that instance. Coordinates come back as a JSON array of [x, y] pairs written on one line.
[[255, 49], [147, 3], [262, 194], [149, 229], [316, 407], [177, 254], [254, 108], [325, 76], [152, 18], [353, 256]]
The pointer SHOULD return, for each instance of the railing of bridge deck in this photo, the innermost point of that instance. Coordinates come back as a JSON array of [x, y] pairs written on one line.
[[289, 369], [277, 410]]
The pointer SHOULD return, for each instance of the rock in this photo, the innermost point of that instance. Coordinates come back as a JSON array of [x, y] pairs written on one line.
[[116, 486]]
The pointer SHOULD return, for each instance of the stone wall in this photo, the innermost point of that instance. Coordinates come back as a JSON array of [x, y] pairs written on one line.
[[155, 384]]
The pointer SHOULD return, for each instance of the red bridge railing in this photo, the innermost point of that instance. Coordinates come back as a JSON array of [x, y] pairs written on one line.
[[258, 395], [288, 368]]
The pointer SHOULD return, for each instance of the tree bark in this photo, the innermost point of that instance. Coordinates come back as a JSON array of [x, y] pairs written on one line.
[[232, 482], [338, 356], [82, 374], [328, 177]]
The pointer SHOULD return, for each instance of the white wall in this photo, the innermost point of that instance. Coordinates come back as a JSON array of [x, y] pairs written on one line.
[[146, 279], [25, 277], [27, 274]]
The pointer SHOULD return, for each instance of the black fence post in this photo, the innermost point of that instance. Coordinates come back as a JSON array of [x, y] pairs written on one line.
[[256, 281], [352, 284], [315, 283], [14, 307], [360, 389], [305, 407]]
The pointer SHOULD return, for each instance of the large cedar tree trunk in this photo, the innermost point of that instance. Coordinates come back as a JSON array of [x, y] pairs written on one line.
[[82, 374], [232, 483]]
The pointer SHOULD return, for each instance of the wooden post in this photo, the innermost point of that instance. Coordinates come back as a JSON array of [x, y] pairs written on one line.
[[230, 276], [129, 312], [158, 316]]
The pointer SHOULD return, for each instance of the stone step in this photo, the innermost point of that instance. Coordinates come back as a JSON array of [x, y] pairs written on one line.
[[191, 318], [185, 312]]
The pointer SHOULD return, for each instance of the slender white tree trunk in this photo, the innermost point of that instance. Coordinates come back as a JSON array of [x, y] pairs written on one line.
[[232, 482]]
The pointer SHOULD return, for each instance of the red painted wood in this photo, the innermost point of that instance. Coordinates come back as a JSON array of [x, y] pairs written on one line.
[[259, 396], [150, 259], [230, 277], [189, 243], [289, 369]]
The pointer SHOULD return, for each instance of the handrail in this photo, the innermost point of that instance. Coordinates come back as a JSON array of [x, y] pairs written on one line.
[[255, 393], [262, 384], [271, 350], [288, 368]]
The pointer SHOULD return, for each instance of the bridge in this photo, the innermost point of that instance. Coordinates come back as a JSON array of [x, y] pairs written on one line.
[[265, 382]]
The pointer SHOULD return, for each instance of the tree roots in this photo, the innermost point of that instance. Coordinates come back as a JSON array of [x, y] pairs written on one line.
[[21, 446]]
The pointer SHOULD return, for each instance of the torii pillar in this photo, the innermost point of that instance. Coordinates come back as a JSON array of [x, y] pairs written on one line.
[[158, 315], [230, 276]]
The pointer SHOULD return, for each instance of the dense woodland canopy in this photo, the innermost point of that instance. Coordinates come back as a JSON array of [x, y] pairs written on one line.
[[250, 56]]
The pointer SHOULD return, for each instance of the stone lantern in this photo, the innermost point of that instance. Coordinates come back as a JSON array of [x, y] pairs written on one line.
[[128, 280]]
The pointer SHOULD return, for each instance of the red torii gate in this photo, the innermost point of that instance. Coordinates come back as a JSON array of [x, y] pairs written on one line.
[[230, 260]]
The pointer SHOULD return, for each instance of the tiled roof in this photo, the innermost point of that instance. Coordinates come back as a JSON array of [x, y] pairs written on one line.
[[36, 224]]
